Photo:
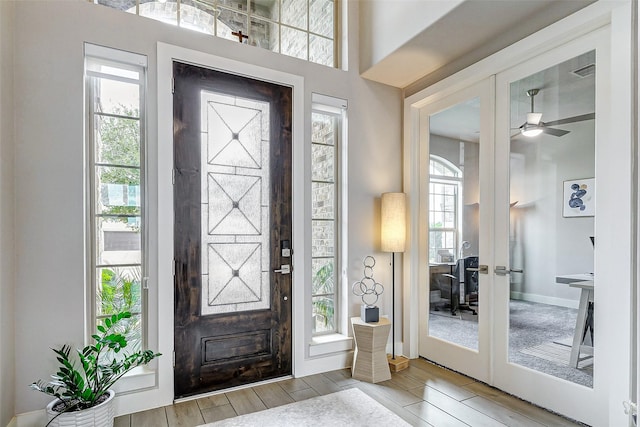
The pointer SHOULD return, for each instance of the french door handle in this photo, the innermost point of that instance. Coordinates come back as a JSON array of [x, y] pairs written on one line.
[[501, 270], [284, 269], [482, 269]]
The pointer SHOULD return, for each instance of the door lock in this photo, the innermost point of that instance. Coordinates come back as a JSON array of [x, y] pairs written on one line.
[[284, 269], [501, 270]]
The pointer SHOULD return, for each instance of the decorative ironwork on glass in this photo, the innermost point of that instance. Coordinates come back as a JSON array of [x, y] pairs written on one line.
[[235, 204]]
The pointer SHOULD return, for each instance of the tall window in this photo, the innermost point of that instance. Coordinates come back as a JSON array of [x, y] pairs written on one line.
[[303, 29], [326, 130], [115, 87], [445, 194]]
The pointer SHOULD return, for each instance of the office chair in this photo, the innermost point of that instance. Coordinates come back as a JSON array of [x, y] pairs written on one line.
[[466, 278]]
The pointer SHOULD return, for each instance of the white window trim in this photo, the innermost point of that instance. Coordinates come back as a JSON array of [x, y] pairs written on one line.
[[339, 341]]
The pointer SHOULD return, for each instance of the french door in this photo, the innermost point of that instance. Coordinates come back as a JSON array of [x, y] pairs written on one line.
[[508, 226], [456, 194], [232, 203]]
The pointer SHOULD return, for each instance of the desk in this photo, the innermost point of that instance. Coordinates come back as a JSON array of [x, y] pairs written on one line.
[[435, 271], [585, 283], [370, 358]]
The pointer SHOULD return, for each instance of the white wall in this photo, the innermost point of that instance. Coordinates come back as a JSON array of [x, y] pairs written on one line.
[[388, 24], [7, 348], [49, 37], [543, 243]]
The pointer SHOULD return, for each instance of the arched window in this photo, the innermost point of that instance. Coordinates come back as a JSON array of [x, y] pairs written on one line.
[[445, 195]]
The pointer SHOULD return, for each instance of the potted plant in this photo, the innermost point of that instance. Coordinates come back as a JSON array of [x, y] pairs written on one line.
[[83, 392]]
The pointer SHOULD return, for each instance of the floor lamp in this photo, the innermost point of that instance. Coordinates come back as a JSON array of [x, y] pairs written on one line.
[[392, 238]]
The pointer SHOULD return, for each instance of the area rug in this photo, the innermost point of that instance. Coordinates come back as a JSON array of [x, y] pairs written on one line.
[[349, 407]]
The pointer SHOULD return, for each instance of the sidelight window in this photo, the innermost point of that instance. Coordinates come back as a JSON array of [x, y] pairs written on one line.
[[327, 119], [115, 93]]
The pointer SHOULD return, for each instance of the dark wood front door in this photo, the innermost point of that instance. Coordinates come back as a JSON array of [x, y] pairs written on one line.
[[232, 202]]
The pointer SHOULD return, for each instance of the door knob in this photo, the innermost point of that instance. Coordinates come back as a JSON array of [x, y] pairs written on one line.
[[482, 269]]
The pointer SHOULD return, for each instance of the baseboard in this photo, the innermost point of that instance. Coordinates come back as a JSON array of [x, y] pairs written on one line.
[[13, 422], [543, 299], [31, 419]]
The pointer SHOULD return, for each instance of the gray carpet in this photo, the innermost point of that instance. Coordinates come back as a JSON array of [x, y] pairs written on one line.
[[538, 335], [349, 407]]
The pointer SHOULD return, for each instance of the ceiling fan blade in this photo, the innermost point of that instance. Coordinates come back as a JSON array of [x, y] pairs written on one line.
[[555, 132], [573, 119], [534, 118]]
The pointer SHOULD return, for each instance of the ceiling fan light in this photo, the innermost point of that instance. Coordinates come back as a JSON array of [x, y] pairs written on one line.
[[530, 130]]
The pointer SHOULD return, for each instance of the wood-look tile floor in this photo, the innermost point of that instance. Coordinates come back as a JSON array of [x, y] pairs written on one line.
[[423, 395]]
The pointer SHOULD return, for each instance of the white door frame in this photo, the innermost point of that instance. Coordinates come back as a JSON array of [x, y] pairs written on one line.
[[615, 124]]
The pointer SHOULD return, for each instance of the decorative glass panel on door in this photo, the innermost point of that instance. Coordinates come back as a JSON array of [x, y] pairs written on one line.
[[552, 208], [235, 204], [454, 141]]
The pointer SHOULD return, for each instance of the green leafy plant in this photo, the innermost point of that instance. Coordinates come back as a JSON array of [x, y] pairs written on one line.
[[82, 386]]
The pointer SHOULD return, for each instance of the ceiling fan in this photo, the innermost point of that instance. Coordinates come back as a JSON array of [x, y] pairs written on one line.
[[535, 126]]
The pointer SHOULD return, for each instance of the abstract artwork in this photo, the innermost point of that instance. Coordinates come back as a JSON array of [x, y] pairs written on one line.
[[579, 198]]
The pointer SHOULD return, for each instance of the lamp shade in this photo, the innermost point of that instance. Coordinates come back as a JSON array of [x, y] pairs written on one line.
[[393, 231]]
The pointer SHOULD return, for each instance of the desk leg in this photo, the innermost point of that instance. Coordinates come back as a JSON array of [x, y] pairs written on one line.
[[580, 323]]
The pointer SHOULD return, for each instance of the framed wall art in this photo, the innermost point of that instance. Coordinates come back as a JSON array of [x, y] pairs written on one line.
[[579, 198]]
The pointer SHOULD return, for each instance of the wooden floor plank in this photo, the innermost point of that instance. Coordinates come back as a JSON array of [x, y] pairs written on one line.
[[517, 405], [211, 401], [500, 413], [375, 393], [303, 394], [321, 384], [434, 415], [273, 395], [218, 413], [399, 395], [184, 414], [152, 418], [245, 401], [458, 409], [341, 377], [452, 377], [293, 384], [123, 421], [438, 383]]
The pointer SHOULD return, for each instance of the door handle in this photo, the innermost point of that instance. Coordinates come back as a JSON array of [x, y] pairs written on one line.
[[482, 269], [501, 270], [284, 269]]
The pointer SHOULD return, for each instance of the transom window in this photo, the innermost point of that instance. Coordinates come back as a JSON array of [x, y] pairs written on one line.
[[445, 195], [326, 137], [303, 29], [115, 86]]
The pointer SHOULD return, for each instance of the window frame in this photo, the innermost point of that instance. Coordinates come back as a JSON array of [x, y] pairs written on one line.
[[98, 55], [457, 180], [337, 109]]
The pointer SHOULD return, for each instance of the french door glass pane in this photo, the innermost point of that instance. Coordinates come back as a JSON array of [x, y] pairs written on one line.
[[119, 289], [552, 198], [118, 240], [454, 305], [117, 141]]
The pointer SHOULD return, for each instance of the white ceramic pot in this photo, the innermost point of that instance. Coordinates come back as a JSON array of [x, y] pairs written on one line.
[[99, 416]]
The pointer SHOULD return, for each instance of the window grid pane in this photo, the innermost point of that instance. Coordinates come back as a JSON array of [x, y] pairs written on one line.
[[117, 198], [323, 228], [443, 212], [299, 28]]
